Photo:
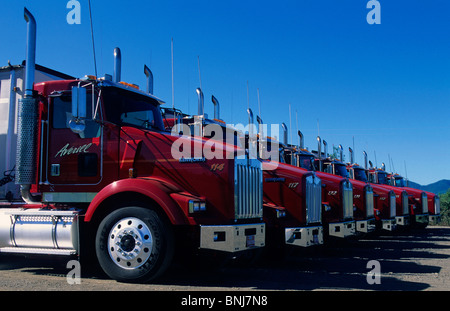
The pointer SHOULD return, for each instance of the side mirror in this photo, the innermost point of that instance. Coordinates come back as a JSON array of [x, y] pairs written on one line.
[[77, 124]]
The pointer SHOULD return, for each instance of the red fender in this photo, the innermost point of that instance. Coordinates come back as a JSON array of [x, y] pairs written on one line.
[[151, 188]]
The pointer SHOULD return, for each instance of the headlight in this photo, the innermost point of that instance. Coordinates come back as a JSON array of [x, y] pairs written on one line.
[[196, 206]]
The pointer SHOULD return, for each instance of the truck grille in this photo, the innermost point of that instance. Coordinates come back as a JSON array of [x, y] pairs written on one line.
[[369, 201], [313, 199], [405, 202], [248, 192], [392, 202], [437, 205], [347, 199], [424, 203]]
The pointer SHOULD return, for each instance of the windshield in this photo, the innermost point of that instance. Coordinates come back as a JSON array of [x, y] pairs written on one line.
[[306, 162], [382, 178], [360, 174], [340, 170], [128, 108], [399, 182]]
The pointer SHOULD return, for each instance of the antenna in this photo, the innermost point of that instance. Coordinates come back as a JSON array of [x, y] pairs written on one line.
[[199, 74], [290, 122], [248, 97], [173, 94], [296, 123], [259, 103], [406, 172], [92, 36]]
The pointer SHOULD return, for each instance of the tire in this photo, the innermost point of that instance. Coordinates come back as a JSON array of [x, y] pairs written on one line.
[[134, 244]]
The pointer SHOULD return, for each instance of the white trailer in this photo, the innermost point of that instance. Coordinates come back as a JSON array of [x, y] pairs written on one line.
[[11, 90]]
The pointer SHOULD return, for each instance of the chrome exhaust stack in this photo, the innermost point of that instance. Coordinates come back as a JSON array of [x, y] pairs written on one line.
[[31, 53], [117, 65], [365, 160], [319, 152], [285, 134], [216, 108], [341, 153], [350, 150], [301, 140], [325, 148], [201, 106], [148, 73], [28, 120]]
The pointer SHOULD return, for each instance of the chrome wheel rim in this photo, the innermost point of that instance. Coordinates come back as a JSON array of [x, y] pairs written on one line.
[[130, 243]]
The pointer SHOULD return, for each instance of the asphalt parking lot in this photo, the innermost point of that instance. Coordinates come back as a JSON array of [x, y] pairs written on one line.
[[415, 260]]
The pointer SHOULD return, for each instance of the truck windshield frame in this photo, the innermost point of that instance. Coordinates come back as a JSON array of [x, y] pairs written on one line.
[[306, 162], [382, 178], [399, 182], [126, 108], [340, 169], [360, 174]]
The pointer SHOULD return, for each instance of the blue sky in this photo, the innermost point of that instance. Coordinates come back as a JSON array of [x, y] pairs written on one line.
[[387, 86]]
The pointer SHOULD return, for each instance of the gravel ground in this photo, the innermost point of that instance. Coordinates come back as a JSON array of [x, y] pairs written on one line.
[[416, 260]]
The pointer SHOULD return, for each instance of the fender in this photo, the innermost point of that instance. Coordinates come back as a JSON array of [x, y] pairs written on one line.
[[151, 188]]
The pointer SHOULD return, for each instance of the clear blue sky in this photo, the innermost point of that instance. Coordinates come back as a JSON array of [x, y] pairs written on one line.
[[386, 86]]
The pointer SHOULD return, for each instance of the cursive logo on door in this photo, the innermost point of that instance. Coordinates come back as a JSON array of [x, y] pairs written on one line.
[[66, 150]]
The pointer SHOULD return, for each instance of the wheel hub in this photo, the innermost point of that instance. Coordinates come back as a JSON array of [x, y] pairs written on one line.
[[130, 243]]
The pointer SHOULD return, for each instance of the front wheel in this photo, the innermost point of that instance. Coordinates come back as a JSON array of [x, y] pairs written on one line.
[[133, 244]]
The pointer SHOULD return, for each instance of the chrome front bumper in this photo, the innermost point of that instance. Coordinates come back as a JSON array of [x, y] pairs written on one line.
[[402, 220], [366, 225], [304, 236], [421, 219], [342, 229], [233, 238], [389, 224], [434, 219]]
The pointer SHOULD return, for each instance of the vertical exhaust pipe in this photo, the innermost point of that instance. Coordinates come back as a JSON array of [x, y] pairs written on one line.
[[216, 107], [350, 150], [148, 73], [260, 136], [117, 65], [201, 106], [325, 148], [285, 133], [365, 160], [27, 120], [319, 152], [31, 53], [341, 153], [301, 141]]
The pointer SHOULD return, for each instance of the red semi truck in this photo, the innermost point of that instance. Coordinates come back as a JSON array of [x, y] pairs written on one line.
[[97, 175], [292, 198], [434, 203], [401, 211], [418, 200], [337, 192], [363, 195]]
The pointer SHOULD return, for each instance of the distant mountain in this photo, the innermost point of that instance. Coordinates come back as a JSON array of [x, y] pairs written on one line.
[[438, 187]]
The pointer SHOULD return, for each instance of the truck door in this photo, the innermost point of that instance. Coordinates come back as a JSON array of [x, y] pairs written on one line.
[[73, 158]]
